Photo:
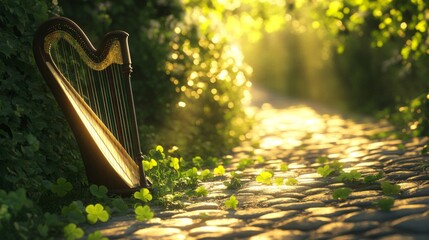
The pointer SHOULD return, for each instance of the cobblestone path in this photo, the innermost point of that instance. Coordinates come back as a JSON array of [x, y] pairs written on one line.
[[298, 135]]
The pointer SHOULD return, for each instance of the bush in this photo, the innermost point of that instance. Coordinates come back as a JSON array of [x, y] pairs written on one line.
[[37, 145]]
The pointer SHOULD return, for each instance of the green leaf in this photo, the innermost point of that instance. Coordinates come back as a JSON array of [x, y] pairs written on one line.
[[201, 191], [336, 166], [385, 203], [219, 171], [264, 178], [291, 181], [351, 176], [97, 235], [143, 213], [322, 160], [99, 192], [62, 187], [284, 167], [71, 232], [120, 205], [175, 163], [148, 165], [235, 183], [341, 193], [143, 194], [232, 203], [96, 212], [324, 171], [206, 175], [390, 189], [370, 179], [74, 212], [244, 163], [260, 159], [278, 181]]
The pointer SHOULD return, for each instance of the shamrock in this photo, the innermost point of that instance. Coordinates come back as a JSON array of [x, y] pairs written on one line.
[[62, 187], [232, 202], [96, 212], [143, 195], [143, 213], [264, 177], [219, 171], [71, 232]]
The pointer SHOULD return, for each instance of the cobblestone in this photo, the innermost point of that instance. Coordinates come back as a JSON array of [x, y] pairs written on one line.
[[298, 135]]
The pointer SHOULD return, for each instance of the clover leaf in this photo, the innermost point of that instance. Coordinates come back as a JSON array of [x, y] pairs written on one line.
[[324, 171], [61, 187], [264, 178], [291, 181], [71, 232], [232, 203], [74, 212], [120, 205], [175, 163], [148, 165], [390, 189], [206, 175], [143, 194], [284, 167], [278, 181], [96, 212], [143, 213], [97, 235], [341, 193], [219, 171], [385, 203], [201, 191], [369, 179], [260, 159], [99, 192], [351, 176]]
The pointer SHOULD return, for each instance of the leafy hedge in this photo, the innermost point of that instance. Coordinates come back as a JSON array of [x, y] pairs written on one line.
[[36, 144]]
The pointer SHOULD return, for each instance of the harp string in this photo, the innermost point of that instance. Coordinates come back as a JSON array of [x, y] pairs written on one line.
[[103, 90]]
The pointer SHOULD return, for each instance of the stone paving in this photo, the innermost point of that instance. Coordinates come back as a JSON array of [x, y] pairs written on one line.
[[298, 134]]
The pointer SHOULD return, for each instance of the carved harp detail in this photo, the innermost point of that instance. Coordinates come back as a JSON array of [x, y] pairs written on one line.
[[92, 86]]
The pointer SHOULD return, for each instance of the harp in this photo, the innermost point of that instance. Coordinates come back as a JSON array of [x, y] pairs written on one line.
[[93, 88]]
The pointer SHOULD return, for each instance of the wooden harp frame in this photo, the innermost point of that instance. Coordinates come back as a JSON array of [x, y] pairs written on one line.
[[105, 159]]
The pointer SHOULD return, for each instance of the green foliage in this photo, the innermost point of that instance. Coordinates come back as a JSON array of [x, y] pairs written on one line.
[[385, 203], [369, 179], [244, 163], [219, 171], [201, 191], [379, 45], [265, 178], [97, 235], [234, 183], [341, 193], [231, 203], [324, 171], [143, 195], [61, 187], [99, 192], [74, 212], [278, 181], [206, 175], [119, 205], [351, 176], [36, 141], [389, 188], [96, 212], [291, 181], [284, 167], [71, 232], [143, 213]]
